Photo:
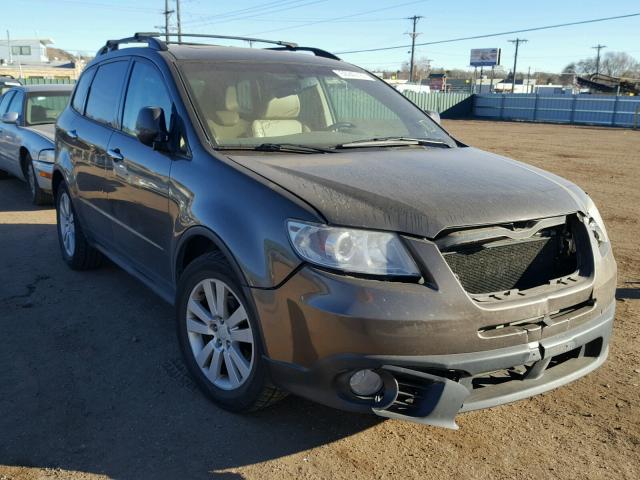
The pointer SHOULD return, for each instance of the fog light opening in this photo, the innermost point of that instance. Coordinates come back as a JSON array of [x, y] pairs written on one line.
[[365, 383]]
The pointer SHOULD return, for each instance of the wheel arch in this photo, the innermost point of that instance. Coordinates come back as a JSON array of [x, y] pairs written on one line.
[[23, 155], [196, 241], [191, 238], [56, 180]]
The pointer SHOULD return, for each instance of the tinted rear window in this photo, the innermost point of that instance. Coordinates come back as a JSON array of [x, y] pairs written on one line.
[[82, 89], [104, 94]]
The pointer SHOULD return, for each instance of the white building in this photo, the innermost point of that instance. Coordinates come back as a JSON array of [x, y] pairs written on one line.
[[26, 51]]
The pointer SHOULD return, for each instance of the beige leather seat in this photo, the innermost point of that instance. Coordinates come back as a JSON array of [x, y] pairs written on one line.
[[280, 118], [226, 123]]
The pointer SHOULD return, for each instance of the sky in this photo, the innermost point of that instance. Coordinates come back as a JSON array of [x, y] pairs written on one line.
[[344, 25]]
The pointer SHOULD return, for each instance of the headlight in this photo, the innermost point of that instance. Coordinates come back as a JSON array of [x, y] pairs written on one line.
[[47, 156], [595, 223], [351, 250]]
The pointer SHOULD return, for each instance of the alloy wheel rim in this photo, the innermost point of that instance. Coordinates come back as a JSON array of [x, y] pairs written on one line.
[[67, 225], [220, 334]]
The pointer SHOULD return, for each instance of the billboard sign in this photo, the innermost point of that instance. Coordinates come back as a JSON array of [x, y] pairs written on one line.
[[485, 57]]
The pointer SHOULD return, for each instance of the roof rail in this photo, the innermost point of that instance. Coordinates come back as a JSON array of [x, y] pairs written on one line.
[[153, 40], [204, 35], [318, 52], [149, 38]]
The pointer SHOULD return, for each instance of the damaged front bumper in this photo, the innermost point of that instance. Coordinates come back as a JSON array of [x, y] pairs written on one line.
[[433, 389]]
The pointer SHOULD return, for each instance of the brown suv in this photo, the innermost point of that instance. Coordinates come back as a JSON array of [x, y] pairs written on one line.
[[320, 234]]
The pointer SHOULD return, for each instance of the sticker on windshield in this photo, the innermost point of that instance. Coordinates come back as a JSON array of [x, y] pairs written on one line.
[[351, 75]]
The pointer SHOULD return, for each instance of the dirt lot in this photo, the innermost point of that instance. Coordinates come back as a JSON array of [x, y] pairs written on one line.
[[92, 385]]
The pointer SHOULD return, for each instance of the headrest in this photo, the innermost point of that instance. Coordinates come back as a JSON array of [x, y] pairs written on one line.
[[284, 107], [229, 115], [227, 118], [231, 99]]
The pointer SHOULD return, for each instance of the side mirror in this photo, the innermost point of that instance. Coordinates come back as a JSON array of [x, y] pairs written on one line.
[[435, 116], [10, 117], [151, 128]]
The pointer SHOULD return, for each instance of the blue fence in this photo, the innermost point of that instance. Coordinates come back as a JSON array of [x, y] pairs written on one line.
[[616, 111]]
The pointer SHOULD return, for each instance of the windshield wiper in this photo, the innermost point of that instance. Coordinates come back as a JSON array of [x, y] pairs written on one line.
[[393, 142], [279, 147]]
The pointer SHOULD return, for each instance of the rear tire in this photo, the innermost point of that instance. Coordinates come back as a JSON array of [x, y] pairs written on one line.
[[38, 195], [76, 251], [219, 337]]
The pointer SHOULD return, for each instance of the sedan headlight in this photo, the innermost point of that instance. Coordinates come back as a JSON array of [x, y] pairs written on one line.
[[595, 223], [47, 156], [351, 250]]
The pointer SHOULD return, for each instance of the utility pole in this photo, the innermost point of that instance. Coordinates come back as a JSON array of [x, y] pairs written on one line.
[[178, 19], [598, 48], [413, 36], [491, 83], [9, 47], [528, 79], [166, 14], [517, 41]]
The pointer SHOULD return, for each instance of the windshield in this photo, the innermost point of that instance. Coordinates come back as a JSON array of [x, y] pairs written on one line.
[[246, 105], [45, 107]]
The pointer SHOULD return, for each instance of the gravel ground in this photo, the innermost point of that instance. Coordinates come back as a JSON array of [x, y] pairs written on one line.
[[92, 385]]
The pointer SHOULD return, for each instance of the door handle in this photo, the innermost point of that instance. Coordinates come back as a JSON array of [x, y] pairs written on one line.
[[115, 155], [73, 134]]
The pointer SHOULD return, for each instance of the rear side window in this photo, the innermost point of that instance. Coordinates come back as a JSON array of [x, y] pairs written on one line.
[[82, 88], [104, 95], [4, 102], [146, 89]]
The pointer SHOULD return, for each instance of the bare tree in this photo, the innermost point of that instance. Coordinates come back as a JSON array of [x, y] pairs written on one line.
[[421, 69], [615, 64], [620, 64]]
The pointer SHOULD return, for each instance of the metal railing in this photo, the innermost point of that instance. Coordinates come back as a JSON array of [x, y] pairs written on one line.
[[46, 81]]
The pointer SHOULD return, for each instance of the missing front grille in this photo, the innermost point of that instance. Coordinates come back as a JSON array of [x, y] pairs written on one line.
[[502, 265]]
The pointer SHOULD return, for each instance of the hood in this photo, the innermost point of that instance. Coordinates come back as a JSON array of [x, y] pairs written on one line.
[[47, 130], [417, 191]]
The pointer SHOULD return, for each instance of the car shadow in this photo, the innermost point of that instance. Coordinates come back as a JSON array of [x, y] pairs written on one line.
[[92, 380], [15, 197]]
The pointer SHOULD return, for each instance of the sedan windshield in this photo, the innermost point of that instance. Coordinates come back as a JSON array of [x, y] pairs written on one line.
[[249, 104], [45, 107]]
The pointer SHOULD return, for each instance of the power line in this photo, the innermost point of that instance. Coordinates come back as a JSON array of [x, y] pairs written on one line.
[[517, 42], [598, 47], [107, 6], [475, 37], [340, 18], [413, 35], [251, 12], [305, 20]]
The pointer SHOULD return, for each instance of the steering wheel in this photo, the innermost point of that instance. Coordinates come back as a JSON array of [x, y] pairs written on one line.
[[336, 127]]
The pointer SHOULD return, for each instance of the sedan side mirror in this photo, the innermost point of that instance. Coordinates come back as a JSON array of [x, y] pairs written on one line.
[[151, 128], [435, 116], [10, 117]]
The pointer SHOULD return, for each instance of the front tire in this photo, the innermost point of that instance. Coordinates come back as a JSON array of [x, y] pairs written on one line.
[[76, 251], [219, 337], [38, 196]]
